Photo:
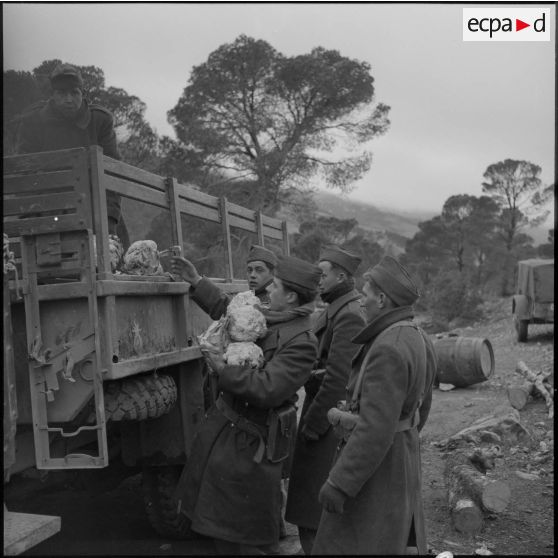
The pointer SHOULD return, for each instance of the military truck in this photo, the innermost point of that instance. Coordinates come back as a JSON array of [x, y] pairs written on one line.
[[533, 301], [106, 366]]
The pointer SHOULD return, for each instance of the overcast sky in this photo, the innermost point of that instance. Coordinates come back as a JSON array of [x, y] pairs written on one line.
[[456, 107]]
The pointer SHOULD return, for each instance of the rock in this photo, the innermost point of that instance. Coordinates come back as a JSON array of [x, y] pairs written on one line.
[[483, 551], [445, 387], [526, 476]]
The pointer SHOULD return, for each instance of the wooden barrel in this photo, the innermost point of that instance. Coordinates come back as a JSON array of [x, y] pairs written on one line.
[[463, 361]]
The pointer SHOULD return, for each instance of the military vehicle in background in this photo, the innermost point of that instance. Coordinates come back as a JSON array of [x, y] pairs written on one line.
[[533, 302]]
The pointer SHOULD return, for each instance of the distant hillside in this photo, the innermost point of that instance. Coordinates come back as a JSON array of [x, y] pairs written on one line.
[[369, 216]]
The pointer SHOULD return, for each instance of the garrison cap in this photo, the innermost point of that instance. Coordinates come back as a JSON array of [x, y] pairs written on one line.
[[394, 280], [66, 75], [261, 254], [297, 272], [349, 262]]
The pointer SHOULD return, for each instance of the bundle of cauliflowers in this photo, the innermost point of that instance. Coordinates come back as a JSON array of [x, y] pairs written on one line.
[[142, 258], [244, 352], [234, 334], [246, 323]]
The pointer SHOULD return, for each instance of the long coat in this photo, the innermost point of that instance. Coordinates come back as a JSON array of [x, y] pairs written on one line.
[[379, 468], [224, 492], [43, 128], [335, 327]]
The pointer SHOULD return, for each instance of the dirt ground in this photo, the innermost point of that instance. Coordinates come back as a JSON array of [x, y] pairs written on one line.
[[526, 526]]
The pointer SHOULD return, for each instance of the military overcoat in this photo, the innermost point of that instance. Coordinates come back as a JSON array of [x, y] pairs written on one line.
[[335, 328], [43, 128], [224, 492], [379, 467]]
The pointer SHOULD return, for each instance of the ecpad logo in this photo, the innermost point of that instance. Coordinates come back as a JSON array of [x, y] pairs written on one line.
[[506, 24]]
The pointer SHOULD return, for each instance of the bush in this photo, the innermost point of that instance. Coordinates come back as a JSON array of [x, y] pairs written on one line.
[[452, 296]]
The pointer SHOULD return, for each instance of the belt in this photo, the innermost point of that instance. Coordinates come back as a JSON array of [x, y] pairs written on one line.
[[403, 425], [242, 423]]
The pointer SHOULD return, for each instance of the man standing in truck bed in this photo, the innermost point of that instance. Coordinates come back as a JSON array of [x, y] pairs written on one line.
[[315, 447], [68, 120]]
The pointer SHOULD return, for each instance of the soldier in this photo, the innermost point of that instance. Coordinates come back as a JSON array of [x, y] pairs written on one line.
[[260, 265], [372, 497], [335, 328], [68, 120], [230, 487]]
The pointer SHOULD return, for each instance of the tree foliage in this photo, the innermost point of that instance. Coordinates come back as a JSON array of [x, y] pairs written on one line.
[[251, 111], [516, 187]]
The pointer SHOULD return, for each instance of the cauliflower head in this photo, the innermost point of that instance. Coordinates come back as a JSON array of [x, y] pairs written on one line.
[[244, 353], [246, 323], [142, 258], [245, 298]]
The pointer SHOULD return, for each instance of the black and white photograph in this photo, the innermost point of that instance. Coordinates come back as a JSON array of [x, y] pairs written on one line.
[[278, 278]]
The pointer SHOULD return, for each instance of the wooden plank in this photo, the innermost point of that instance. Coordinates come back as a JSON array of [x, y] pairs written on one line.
[[135, 288], [191, 194], [259, 228], [150, 278], [38, 204], [176, 221], [151, 362], [201, 211], [286, 247], [226, 229], [244, 212], [100, 216], [62, 291], [39, 182], [136, 191], [36, 225], [133, 174], [272, 222], [241, 223], [46, 160], [22, 531], [273, 233]]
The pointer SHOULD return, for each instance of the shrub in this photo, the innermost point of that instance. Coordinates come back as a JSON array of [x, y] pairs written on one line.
[[452, 296]]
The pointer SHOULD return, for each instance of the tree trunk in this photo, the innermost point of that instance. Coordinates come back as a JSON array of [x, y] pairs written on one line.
[[519, 395], [537, 380], [470, 492]]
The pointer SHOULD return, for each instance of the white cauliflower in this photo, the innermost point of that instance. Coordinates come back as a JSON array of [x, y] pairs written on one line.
[[142, 258], [246, 298], [243, 353], [246, 323]]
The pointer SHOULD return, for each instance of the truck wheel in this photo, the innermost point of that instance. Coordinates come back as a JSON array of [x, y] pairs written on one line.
[[159, 484], [521, 327], [139, 398]]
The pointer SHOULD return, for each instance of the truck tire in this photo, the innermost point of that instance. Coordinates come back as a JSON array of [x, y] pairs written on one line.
[[139, 398], [521, 327], [159, 484]]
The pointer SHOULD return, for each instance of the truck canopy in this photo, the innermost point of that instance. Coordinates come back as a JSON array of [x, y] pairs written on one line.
[[535, 279]]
